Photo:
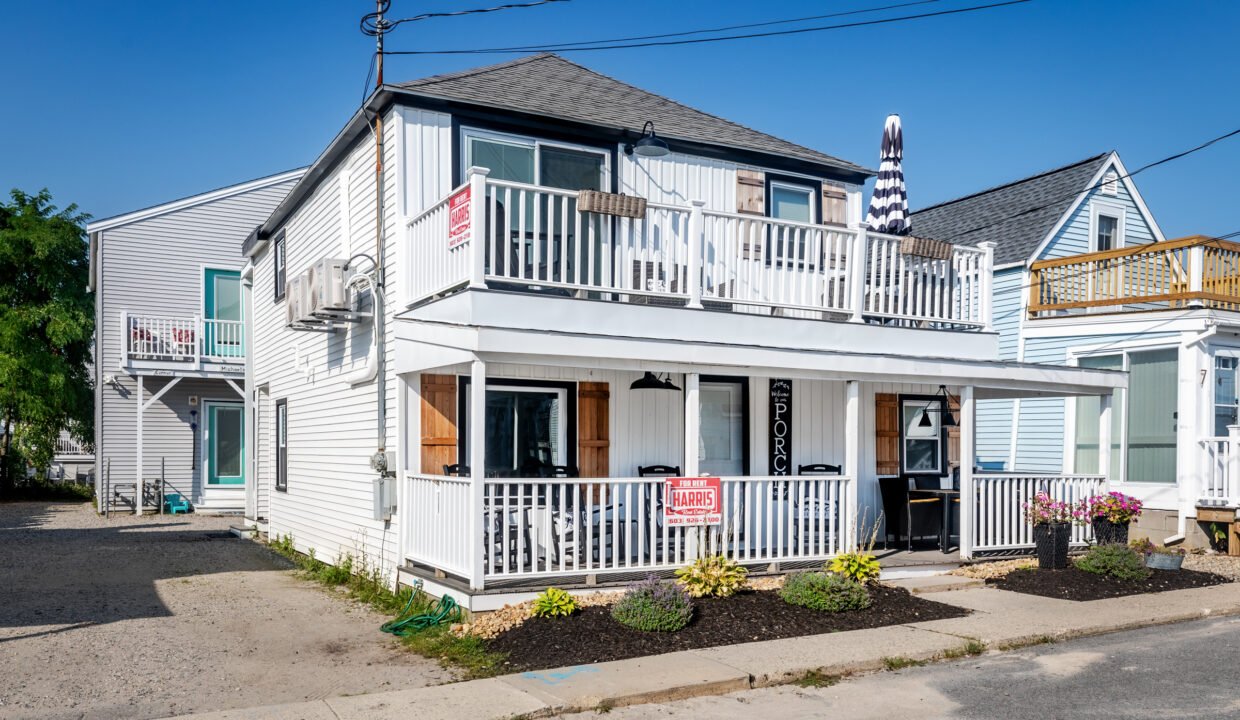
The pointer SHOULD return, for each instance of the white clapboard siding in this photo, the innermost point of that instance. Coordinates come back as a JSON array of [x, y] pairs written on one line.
[[155, 265]]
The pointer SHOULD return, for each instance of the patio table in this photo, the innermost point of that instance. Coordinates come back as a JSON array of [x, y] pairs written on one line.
[[948, 496]]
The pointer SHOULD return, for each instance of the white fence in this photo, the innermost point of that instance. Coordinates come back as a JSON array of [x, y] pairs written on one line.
[[1220, 483], [179, 339], [997, 522], [533, 528], [523, 236]]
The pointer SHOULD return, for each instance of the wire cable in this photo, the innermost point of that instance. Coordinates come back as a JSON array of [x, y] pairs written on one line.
[[724, 38], [372, 26]]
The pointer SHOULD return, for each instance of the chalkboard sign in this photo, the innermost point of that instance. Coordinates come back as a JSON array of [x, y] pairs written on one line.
[[780, 445]]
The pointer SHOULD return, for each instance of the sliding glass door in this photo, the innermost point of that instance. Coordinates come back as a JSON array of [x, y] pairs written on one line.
[[1143, 419]]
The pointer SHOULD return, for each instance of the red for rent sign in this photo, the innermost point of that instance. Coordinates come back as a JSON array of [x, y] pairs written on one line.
[[458, 218], [692, 501]]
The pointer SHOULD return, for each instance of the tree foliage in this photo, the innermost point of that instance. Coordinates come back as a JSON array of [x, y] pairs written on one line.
[[47, 320]]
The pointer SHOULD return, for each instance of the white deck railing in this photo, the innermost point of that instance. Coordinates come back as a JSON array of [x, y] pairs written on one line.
[[1220, 484], [530, 237], [535, 528], [998, 521], [66, 445], [182, 340]]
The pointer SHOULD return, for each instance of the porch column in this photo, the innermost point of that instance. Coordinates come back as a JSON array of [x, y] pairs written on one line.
[[852, 516], [693, 422], [1104, 439], [137, 492], [968, 454], [477, 465], [477, 226]]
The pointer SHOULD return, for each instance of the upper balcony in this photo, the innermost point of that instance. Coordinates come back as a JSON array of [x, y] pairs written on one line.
[[174, 345], [513, 236], [1190, 272]]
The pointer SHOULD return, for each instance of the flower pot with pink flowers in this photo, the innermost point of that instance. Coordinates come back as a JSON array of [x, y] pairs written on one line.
[[1110, 515], [1052, 530]]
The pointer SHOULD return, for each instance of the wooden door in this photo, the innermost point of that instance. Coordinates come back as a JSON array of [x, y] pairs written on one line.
[[439, 433]]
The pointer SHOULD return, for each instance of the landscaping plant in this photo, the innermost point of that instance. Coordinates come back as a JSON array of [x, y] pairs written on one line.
[[553, 603], [714, 576], [1045, 510], [1117, 561], [654, 605], [858, 566], [1051, 520], [1110, 515], [825, 591]]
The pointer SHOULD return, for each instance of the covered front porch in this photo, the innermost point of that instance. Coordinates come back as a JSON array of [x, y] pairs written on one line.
[[566, 479]]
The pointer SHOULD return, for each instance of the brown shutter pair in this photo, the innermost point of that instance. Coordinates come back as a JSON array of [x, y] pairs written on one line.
[[439, 425]]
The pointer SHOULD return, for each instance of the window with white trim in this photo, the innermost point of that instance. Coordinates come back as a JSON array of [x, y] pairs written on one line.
[[922, 440], [1226, 393], [1106, 227], [792, 202]]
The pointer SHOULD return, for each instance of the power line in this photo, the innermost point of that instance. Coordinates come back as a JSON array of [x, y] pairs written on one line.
[[373, 24], [724, 38], [532, 48]]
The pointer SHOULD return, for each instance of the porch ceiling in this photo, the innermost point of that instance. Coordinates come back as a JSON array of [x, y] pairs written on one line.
[[425, 346]]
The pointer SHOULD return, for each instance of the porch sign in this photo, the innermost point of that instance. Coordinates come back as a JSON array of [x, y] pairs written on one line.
[[692, 501], [458, 218], [780, 445]]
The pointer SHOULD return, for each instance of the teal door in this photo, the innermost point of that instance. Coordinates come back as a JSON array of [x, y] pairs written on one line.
[[225, 443], [223, 329]]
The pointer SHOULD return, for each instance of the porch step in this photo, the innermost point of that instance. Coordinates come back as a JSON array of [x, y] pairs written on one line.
[[936, 583]]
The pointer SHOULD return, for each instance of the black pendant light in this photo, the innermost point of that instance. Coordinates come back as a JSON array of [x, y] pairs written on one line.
[[650, 381], [649, 144], [949, 419]]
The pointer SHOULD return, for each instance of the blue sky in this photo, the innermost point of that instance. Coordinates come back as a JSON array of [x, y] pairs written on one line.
[[120, 105]]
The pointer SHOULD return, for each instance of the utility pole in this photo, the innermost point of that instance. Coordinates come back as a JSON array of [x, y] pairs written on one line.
[[380, 308]]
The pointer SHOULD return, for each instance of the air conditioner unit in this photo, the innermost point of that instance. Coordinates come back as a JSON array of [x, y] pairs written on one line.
[[305, 309], [292, 301], [328, 293]]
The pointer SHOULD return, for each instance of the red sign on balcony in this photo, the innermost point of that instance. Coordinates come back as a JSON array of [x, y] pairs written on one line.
[[692, 501], [458, 218]]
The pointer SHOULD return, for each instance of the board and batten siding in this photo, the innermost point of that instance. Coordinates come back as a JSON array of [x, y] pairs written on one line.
[[332, 424], [155, 265]]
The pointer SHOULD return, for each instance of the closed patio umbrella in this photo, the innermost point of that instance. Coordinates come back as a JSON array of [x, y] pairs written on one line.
[[889, 203]]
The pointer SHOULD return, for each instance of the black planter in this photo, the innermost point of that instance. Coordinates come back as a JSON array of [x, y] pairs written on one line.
[[1051, 542], [1110, 533]]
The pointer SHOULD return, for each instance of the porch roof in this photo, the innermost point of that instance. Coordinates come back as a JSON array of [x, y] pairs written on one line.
[[425, 345]]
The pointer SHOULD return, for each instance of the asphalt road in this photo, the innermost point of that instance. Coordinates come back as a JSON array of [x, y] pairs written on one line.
[[1191, 670]]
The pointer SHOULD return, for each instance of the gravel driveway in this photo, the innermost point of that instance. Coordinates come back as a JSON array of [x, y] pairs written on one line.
[[157, 616]]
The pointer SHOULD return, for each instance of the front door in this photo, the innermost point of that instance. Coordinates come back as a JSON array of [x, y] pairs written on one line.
[[223, 330], [721, 447], [224, 439]]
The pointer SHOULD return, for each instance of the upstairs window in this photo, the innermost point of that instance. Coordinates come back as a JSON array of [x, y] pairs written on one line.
[[277, 256], [792, 202], [1107, 223]]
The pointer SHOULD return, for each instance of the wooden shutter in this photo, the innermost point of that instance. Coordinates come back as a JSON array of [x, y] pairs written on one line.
[[593, 429], [953, 435], [438, 422], [751, 192], [834, 204], [887, 434]]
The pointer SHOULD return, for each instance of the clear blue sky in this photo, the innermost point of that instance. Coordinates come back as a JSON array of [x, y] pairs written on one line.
[[120, 105]]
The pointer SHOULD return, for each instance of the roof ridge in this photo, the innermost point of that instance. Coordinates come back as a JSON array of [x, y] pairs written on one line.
[[1011, 183], [470, 72]]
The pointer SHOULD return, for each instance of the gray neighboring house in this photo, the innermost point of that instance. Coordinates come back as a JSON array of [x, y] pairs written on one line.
[[171, 343]]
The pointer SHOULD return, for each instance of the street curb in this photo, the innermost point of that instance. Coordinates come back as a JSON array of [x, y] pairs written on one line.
[[1002, 620]]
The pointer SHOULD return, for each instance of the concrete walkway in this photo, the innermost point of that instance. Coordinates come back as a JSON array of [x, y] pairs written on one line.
[[1000, 620]]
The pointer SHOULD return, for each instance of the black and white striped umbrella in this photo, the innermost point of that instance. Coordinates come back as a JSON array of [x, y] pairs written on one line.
[[889, 203]]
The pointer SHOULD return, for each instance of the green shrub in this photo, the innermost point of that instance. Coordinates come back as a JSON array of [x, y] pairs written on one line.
[[712, 577], [552, 603], [825, 591], [858, 566], [654, 605], [337, 574], [1117, 561]]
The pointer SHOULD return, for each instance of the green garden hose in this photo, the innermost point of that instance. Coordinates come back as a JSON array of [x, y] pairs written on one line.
[[444, 610]]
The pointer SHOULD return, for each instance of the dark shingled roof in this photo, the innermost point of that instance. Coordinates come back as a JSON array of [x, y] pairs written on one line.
[[549, 85], [1028, 208]]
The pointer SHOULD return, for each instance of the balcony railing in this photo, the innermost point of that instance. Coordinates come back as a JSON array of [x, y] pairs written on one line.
[[515, 236], [1188, 272], [1221, 478], [183, 341], [66, 445]]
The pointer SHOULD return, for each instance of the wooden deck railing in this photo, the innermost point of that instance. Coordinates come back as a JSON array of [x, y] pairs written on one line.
[[1194, 271]]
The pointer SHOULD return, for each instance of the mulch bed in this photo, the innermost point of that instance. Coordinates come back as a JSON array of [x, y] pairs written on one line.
[[1073, 584], [591, 635]]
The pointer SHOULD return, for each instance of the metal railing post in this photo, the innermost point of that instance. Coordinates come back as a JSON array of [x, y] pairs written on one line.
[[696, 241], [477, 226], [857, 262]]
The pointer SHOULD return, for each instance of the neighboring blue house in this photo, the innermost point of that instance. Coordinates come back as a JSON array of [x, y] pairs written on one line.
[[1084, 276]]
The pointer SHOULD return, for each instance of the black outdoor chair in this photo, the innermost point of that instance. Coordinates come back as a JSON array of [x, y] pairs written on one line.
[[652, 497], [923, 512]]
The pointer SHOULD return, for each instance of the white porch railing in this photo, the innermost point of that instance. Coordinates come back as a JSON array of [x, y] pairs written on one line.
[[534, 528], [182, 340], [66, 445], [1220, 484], [998, 523], [533, 237]]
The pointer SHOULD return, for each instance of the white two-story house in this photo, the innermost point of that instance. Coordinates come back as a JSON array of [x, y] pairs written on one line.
[[171, 341], [586, 288]]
